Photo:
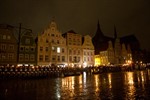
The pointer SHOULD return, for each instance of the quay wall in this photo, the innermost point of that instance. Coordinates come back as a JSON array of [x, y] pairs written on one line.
[[49, 72]]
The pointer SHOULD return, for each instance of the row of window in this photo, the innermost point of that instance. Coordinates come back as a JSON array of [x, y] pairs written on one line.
[[88, 53], [54, 58], [53, 35], [74, 59], [7, 56], [54, 49], [27, 49], [5, 37], [74, 43], [74, 52], [7, 47], [88, 59], [26, 57]]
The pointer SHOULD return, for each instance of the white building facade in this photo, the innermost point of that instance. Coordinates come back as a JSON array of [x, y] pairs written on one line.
[[88, 51]]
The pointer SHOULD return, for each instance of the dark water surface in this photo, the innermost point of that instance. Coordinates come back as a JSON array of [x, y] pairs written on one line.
[[107, 86]]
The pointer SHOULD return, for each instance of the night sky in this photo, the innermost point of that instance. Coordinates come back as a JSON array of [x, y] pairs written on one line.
[[129, 16]]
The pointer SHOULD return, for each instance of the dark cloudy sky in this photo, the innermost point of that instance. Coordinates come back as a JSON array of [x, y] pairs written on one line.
[[129, 16]]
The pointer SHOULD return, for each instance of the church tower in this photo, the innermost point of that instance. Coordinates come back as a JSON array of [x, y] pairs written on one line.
[[98, 39]]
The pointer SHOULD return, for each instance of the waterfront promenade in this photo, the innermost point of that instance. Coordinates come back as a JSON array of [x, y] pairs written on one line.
[[52, 71]]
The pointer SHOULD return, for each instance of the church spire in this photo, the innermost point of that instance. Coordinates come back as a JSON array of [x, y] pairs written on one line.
[[99, 33]]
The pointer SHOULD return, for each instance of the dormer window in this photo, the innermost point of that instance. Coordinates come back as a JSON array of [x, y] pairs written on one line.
[[27, 41]]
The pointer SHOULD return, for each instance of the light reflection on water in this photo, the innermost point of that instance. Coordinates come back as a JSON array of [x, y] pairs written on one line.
[[120, 85]]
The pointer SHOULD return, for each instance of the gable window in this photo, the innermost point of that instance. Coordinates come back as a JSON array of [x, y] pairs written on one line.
[[27, 41]]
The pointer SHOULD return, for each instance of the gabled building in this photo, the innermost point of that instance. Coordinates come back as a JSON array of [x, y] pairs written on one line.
[[88, 51], [27, 48], [51, 47], [74, 48], [110, 50], [107, 55], [8, 45]]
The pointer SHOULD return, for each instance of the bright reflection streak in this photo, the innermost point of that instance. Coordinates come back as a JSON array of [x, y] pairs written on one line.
[[109, 80], [68, 83], [72, 82], [129, 80], [80, 79], [58, 91], [96, 83], [142, 76], [84, 78], [148, 72]]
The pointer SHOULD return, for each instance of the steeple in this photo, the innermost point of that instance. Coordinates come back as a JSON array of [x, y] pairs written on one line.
[[99, 33], [115, 32]]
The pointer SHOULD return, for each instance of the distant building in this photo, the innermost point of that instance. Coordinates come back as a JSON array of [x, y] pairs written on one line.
[[27, 48], [132, 42], [111, 50], [8, 45], [88, 51], [74, 48], [51, 47]]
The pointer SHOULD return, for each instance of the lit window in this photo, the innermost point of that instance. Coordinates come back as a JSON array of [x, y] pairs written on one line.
[[53, 49], [58, 49]]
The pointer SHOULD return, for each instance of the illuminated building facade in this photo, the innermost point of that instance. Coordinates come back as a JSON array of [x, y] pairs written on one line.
[[107, 56], [51, 47], [8, 45], [88, 51], [111, 51], [27, 48], [74, 48]]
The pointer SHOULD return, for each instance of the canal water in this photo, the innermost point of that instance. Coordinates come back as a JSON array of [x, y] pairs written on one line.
[[105, 86]]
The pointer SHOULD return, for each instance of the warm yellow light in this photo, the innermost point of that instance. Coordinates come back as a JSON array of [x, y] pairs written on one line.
[[97, 61], [84, 64]]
